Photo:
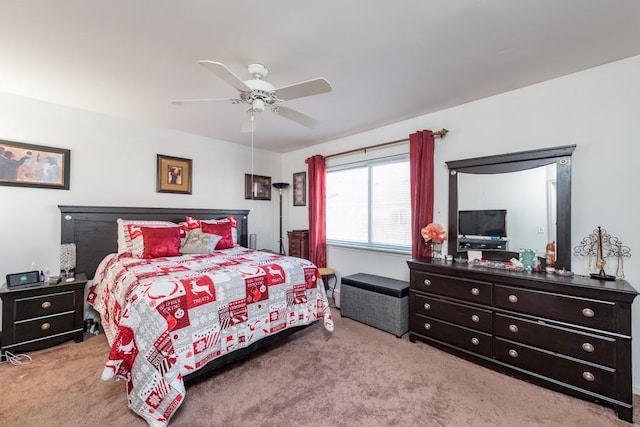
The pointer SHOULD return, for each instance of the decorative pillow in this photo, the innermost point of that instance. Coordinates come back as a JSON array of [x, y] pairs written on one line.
[[157, 242], [193, 223], [198, 242], [126, 227], [222, 229]]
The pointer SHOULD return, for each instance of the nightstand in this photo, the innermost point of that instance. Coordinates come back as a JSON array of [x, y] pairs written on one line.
[[41, 316]]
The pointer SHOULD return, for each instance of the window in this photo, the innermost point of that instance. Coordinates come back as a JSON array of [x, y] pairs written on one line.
[[369, 205]]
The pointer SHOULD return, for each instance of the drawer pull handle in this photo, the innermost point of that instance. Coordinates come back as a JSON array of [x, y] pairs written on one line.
[[513, 353], [475, 318], [427, 282], [588, 347], [427, 306], [45, 326], [475, 341], [587, 312], [475, 291], [427, 326], [513, 328], [46, 304], [588, 376], [513, 299]]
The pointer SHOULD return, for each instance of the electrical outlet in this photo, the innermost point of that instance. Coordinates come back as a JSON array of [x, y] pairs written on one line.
[[540, 229]]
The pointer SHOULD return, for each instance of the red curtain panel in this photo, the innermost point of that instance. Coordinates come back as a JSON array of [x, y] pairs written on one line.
[[317, 170], [421, 148]]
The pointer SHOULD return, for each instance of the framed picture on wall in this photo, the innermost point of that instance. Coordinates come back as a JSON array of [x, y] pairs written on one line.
[[173, 175], [257, 187], [28, 165], [300, 189]]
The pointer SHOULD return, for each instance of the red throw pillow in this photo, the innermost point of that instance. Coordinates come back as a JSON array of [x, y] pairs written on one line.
[[160, 242], [222, 229]]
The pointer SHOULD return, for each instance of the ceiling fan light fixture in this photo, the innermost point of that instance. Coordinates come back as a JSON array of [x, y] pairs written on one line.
[[257, 106]]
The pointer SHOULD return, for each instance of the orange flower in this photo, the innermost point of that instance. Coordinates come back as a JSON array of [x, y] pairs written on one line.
[[434, 233]]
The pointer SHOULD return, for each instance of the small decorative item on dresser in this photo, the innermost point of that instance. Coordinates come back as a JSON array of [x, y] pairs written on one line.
[[434, 235], [598, 246], [68, 259]]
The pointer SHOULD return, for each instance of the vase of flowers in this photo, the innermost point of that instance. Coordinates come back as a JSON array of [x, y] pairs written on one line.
[[434, 235]]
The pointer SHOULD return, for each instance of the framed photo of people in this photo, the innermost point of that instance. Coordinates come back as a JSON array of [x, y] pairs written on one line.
[[257, 187], [174, 175], [30, 165]]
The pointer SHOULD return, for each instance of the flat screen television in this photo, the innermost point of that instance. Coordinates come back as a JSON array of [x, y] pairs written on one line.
[[485, 223]]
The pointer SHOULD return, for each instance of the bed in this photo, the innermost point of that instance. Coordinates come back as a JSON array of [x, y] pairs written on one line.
[[170, 316]]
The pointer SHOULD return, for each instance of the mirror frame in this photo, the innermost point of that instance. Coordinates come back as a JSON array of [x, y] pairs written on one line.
[[513, 162]]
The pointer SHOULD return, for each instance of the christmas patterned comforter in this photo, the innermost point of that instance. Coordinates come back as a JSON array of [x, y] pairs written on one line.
[[167, 317]]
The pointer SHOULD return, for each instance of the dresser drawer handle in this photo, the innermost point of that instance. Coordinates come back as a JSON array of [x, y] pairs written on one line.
[[588, 376], [427, 326], [513, 328], [46, 304], [475, 291], [427, 306], [45, 326], [587, 312], [427, 282], [513, 299], [588, 347], [475, 341], [475, 318], [513, 353]]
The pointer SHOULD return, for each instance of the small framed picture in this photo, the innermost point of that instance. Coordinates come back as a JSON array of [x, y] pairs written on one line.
[[257, 187], [28, 165], [300, 189], [174, 175]]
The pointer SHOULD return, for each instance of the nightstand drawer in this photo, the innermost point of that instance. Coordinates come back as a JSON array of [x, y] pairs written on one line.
[[44, 305], [44, 326]]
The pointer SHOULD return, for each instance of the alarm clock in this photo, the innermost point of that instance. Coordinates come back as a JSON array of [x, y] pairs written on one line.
[[16, 280]]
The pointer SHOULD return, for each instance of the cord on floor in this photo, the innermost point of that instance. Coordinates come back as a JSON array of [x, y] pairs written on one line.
[[16, 359]]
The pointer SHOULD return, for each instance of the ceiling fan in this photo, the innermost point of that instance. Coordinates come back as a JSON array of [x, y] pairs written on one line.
[[259, 94]]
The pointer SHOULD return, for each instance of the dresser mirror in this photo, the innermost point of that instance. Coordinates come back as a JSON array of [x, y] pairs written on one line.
[[513, 201]]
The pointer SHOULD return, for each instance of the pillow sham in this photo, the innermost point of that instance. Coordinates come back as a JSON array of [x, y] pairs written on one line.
[[222, 229], [198, 242], [193, 223], [157, 242], [129, 229]]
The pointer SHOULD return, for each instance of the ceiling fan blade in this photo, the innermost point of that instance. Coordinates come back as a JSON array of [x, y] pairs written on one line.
[[302, 89], [225, 74], [184, 101], [296, 116], [249, 121]]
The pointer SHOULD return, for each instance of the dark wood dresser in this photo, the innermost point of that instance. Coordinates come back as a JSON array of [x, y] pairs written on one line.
[[37, 317], [299, 243], [569, 334]]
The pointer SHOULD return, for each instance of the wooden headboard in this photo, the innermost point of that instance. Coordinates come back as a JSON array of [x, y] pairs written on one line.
[[94, 230]]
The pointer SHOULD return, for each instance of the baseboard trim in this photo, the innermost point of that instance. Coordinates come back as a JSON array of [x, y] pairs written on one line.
[[636, 390]]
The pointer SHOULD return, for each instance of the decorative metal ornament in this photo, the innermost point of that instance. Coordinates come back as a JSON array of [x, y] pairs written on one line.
[[598, 246], [67, 257]]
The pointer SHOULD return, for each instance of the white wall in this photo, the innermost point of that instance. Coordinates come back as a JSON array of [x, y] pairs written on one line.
[[596, 109], [113, 163]]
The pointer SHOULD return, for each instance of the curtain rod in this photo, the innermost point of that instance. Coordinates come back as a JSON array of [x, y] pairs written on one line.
[[440, 134]]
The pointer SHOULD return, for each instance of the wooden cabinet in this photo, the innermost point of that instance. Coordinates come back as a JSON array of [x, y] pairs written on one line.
[[299, 243], [36, 317], [569, 334]]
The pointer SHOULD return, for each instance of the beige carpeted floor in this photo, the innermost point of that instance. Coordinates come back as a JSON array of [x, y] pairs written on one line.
[[357, 376]]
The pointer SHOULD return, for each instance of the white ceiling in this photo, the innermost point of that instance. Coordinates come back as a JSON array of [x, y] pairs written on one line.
[[386, 60]]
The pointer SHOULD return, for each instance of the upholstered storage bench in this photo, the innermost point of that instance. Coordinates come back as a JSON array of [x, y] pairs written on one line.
[[377, 301]]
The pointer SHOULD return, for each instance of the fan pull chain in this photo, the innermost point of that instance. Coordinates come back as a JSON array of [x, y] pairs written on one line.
[[252, 127]]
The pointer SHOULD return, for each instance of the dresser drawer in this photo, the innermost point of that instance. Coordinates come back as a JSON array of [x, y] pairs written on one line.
[[589, 377], [468, 290], [581, 311], [44, 305], [589, 347], [453, 312], [44, 326], [468, 339]]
